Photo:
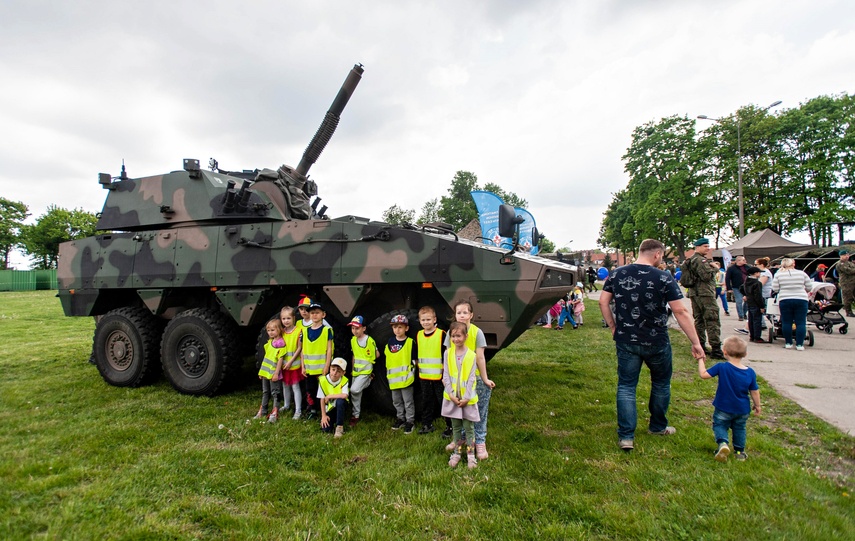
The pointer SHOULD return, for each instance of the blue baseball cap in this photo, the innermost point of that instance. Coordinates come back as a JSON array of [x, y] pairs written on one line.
[[357, 321]]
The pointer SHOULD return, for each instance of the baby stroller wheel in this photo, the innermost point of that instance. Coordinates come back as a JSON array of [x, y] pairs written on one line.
[[810, 338], [828, 329], [844, 329], [771, 334]]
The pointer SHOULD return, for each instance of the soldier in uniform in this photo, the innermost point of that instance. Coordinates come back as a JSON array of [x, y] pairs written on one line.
[[846, 277], [702, 295]]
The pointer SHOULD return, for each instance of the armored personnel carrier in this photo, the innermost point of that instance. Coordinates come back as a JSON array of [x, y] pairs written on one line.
[[188, 266]]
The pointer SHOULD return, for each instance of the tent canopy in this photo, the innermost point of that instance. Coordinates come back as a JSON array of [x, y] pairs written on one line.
[[763, 243]]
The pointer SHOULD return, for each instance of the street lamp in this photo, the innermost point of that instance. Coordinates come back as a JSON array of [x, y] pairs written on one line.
[[739, 161]]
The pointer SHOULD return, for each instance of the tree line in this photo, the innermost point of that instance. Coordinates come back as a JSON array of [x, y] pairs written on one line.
[[798, 169], [40, 241]]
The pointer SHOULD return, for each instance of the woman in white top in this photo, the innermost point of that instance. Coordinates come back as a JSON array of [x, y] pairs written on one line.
[[792, 287]]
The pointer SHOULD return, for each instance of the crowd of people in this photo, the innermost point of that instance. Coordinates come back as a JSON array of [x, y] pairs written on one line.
[[451, 369]]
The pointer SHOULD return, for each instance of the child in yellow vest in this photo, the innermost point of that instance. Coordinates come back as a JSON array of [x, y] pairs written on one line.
[[430, 345], [401, 354], [292, 373], [332, 392], [460, 398], [365, 352], [269, 372], [317, 354], [475, 341]]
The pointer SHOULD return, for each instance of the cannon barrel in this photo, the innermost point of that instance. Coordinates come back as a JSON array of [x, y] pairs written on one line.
[[330, 122]]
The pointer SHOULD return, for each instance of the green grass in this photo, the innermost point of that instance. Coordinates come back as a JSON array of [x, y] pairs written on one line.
[[83, 460]]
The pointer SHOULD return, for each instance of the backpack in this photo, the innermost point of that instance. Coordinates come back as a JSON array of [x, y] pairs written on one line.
[[687, 278]]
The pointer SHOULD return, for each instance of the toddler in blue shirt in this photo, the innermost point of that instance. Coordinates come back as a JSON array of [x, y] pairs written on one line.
[[737, 389]]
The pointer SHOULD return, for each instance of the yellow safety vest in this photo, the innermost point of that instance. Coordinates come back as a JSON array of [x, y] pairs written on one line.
[[471, 339], [271, 358], [315, 352], [363, 357], [459, 379], [329, 388], [291, 340], [399, 367], [430, 354]]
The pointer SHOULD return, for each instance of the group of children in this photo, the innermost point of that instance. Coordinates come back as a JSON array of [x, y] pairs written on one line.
[[452, 374], [569, 308]]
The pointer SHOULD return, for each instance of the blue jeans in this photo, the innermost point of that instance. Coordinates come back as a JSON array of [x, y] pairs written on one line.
[[737, 300], [484, 393], [723, 421], [658, 360], [566, 315], [723, 296], [794, 311]]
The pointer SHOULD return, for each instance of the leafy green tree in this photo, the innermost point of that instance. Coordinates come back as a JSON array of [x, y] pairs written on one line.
[[57, 225], [546, 246], [509, 198], [430, 212], [12, 216], [458, 209], [396, 215]]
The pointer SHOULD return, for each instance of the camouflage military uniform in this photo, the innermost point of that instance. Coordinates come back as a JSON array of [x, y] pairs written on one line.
[[846, 276], [704, 305]]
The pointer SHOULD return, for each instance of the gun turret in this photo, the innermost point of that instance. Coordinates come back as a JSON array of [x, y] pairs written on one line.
[[330, 122]]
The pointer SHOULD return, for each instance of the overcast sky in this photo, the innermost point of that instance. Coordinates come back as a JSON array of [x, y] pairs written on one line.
[[539, 97]]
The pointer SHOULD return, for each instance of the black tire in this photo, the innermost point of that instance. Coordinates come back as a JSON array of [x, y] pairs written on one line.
[[200, 351], [844, 329], [810, 338], [771, 334], [827, 328], [378, 396], [126, 346]]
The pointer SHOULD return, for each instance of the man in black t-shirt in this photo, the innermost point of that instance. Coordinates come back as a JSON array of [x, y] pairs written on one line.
[[640, 329]]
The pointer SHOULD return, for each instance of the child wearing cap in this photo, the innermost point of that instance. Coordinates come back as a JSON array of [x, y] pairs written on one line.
[[429, 342], [576, 300], [292, 373], [401, 354], [317, 353], [756, 304], [365, 352], [332, 392]]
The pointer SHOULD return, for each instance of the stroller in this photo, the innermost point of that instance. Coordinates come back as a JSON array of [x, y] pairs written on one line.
[[824, 313], [773, 315]]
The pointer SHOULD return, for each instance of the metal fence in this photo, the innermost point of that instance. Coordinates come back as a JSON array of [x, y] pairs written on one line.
[[29, 280]]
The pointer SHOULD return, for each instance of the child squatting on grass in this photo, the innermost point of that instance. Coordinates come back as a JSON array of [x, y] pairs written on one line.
[[269, 371], [332, 392], [732, 405], [460, 401]]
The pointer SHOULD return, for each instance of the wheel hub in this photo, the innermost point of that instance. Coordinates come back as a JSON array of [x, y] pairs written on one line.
[[192, 357], [120, 350]]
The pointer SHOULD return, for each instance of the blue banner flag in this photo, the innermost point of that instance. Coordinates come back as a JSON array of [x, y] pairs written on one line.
[[488, 204], [526, 229]]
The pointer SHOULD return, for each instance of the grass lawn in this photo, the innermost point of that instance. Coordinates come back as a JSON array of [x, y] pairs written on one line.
[[83, 460]]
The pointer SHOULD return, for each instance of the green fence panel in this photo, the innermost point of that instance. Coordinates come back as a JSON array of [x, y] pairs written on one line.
[[14, 280], [46, 279]]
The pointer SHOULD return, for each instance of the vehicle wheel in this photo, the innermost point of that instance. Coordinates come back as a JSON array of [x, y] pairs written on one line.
[[125, 346], [378, 396], [828, 329], [810, 338], [844, 329], [199, 351], [771, 334]]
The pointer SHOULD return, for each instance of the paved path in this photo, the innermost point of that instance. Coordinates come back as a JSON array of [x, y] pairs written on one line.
[[821, 378]]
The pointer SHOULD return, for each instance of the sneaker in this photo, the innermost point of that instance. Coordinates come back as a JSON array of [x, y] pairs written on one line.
[[426, 429], [312, 415], [740, 330], [740, 455], [626, 445], [447, 433], [398, 424], [273, 416], [353, 421], [559, 328], [454, 460], [547, 326], [669, 431], [788, 346], [339, 431], [726, 313], [481, 451], [297, 415], [800, 348], [742, 319], [454, 445], [471, 461], [722, 452], [758, 341], [408, 428], [260, 415]]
